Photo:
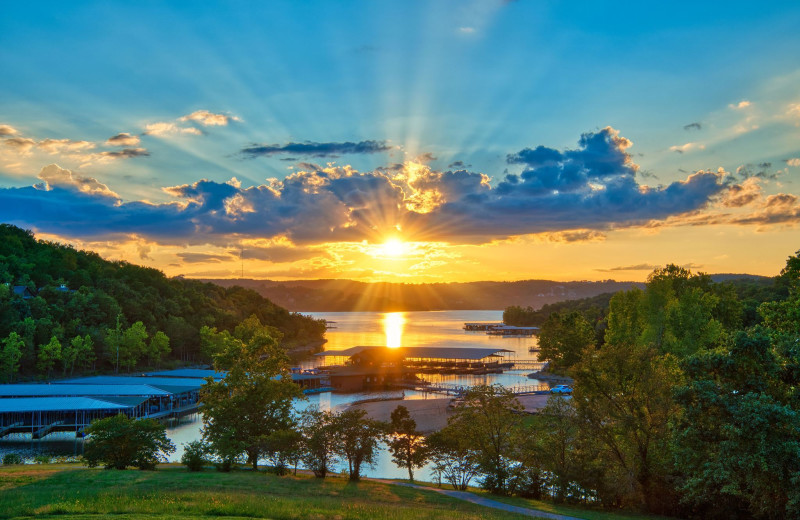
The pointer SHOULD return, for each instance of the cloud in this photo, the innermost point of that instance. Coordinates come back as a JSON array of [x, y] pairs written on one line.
[[57, 146], [579, 193], [162, 129], [687, 147], [740, 105], [793, 110], [743, 194], [20, 145], [466, 30], [123, 139], [56, 177], [6, 130], [637, 267], [794, 162], [311, 149], [206, 118], [693, 126], [201, 258], [126, 153]]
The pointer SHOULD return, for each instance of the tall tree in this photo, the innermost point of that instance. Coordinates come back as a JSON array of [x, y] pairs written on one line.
[[405, 443], [10, 356], [563, 339], [253, 400], [48, 355], [357, 439], [488, 420]]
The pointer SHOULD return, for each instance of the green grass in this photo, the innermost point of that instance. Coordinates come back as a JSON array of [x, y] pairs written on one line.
[[578, 512], [70, 491]]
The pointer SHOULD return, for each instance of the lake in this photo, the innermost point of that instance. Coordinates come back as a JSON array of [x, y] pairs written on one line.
[[406, 329]]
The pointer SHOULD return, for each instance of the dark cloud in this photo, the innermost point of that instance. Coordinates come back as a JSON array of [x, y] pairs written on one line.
[[637, 267], [127, 153], [579, 193], [310, 149], [123, 139], [693, 126], [201, 258]]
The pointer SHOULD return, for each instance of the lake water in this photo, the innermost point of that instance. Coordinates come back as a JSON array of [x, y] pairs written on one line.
[[407, 329]]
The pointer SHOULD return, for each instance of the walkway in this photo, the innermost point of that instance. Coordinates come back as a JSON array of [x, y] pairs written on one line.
[[482, 501]]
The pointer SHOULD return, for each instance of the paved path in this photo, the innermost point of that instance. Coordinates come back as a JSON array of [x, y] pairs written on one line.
[[482, 501]]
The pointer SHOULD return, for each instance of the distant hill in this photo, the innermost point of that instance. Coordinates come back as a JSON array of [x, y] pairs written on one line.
[[348, 295]]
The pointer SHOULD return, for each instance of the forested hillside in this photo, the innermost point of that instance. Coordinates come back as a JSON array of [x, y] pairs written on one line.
[[66, 310]]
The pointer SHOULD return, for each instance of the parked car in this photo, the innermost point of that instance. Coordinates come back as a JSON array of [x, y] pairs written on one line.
[[561, 389]]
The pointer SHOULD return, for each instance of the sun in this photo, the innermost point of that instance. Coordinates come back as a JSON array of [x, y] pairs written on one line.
[[394, 248]]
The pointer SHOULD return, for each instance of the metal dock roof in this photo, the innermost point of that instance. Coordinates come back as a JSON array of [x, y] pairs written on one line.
[[58, 404], [170, 384], [422, 352], [76, 390], [188, 373]]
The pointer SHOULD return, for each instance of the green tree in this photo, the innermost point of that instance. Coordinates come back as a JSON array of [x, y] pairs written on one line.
[[10, 356], [357, 439], [282, 448], [405, 443], [48, 355], [132, 345], [488, 420], [318, 448], [253, 400], [563, 338], [623, 404], [157, 348], [738, 441], [119, 441], [453, 456]]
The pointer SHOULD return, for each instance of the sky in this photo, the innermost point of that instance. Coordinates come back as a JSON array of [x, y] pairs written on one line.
[[430, 141]]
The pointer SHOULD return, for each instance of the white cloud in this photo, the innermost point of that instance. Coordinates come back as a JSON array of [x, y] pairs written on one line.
[[794, 161], [56, 146], [687, 147], [206, 118], [54, 175], [740, 105], [165, 128], [466, 30]]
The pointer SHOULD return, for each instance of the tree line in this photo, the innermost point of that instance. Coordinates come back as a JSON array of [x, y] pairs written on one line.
[[63, 310], [686, 404]]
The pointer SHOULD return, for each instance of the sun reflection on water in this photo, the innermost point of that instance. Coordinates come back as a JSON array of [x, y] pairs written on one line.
[[393, 323]]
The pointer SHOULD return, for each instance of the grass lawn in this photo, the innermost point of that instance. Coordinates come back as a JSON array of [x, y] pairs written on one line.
[[579, 512], [72, 491]]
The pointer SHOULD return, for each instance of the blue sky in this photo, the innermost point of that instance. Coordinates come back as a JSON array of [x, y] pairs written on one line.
[[389, 97]]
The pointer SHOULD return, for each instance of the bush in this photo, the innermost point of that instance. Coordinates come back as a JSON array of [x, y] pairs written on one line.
[[42, 458], [12, 458], [118, 442], [194, 455]]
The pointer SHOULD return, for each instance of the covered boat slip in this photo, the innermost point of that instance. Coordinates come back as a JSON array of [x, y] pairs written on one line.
[[40, 416], [369, 367], [72, 404]]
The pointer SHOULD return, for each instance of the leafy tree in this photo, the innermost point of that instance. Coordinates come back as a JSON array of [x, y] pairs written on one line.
[[738, 441], [253, 400], [282, 448], [48, 355], [405, 443], [119, 441], [623, 403], [487, 421], [554, 446], [10, 356], [157, 348], [318, 448], [563, 339], [194, 455], [453, 456], [357, 439], [132, 345]]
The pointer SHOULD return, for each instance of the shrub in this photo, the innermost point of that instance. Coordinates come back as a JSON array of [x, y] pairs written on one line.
[[42, 458], [12, 458], [118, 442], [194, 455]]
